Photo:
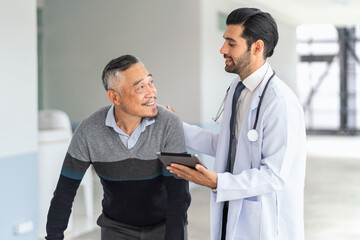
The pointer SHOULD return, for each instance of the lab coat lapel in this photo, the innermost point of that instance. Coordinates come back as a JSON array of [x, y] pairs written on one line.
[[221, 162], [223, 146], [256, 99], [243, 161]]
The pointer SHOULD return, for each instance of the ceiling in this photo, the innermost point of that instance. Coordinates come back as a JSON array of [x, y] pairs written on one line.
[[338, 12], [295, 12]]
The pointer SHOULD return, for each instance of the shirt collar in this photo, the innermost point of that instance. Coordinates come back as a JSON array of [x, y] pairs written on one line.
[[110, 122], [254, 79]]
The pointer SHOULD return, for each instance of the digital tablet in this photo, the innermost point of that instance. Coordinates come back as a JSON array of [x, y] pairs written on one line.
[[189, 160]]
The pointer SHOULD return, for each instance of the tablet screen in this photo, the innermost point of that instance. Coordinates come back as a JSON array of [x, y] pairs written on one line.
[[189, 160]]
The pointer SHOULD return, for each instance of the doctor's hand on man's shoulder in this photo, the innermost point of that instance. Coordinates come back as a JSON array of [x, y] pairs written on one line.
[[200, 175], [173, 110]]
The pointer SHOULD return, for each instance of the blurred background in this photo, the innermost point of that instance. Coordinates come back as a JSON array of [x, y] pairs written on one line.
[[52, 53]]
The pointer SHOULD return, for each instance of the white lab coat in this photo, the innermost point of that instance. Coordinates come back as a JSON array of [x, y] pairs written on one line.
[[266, 190]]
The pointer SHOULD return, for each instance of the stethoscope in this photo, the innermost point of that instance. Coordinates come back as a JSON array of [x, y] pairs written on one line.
[[253, 134]]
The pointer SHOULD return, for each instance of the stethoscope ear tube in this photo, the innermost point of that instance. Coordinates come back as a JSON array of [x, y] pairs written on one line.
[[221, 108], [261, 99], [253, 134]]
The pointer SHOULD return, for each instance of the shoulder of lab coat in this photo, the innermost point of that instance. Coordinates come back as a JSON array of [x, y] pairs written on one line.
[[200, 140], [274, 157], [205, 141]]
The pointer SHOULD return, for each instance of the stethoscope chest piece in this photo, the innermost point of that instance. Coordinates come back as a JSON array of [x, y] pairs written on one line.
[[253, 135]]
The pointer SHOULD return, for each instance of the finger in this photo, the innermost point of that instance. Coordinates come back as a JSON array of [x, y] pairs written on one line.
[[173, 169], [206, 173], [183, 170], [201, 168], [181, 167], [177, 169], [170, 108], [180, 173]]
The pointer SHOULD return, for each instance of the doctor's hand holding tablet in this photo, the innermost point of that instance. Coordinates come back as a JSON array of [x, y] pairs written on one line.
[[198, 173]]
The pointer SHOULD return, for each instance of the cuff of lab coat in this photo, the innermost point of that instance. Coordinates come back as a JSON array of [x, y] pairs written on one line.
[[220, 194]]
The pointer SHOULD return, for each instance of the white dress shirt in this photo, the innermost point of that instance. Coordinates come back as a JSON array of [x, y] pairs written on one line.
[[128, 141], [251, 83]]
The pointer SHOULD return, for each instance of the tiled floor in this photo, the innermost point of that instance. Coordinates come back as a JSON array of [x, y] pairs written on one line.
[[332, 190], [332, 194]]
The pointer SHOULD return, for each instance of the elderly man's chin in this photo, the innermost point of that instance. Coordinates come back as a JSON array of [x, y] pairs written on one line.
[[151, 113]]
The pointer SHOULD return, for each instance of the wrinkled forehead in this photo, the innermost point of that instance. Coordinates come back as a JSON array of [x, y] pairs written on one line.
[[133, 75]]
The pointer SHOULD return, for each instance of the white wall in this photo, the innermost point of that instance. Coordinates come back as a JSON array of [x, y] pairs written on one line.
[[285, 58], [214, 79], [18, 119], [82, 36], [18, 77]]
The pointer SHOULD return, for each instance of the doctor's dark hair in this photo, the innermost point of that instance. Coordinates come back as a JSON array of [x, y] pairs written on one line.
[[257, 25], [114, 67]]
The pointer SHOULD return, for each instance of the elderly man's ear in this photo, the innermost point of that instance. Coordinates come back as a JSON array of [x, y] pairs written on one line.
[[114, 97]]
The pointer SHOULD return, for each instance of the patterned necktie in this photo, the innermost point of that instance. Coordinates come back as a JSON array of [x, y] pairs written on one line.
[[240, 86]]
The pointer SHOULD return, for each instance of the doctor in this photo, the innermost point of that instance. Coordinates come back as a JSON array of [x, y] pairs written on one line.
[[258, 177]]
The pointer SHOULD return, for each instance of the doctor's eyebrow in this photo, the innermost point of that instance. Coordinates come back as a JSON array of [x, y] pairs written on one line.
[[137, 82], [229, 39]]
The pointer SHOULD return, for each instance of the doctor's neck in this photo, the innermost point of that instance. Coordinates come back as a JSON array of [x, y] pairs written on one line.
[[252, 67]]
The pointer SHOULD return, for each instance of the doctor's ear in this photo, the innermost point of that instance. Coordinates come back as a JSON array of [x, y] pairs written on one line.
[[258, 47]]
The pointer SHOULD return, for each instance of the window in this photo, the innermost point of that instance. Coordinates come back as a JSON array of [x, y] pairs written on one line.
[[328, 77]]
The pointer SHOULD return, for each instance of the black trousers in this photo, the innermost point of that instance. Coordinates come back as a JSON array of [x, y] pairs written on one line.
[[224, 220], [112, 230]]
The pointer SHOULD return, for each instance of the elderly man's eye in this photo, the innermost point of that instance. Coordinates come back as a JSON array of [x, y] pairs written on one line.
[[140, 88]]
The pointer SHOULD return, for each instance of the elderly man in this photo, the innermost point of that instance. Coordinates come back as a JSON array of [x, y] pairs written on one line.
[[142, 200]]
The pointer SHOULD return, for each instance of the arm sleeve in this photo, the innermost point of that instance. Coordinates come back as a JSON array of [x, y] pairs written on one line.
[[178, 195], [71, 175], [178, 204], [60, 207], [200, 140]]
